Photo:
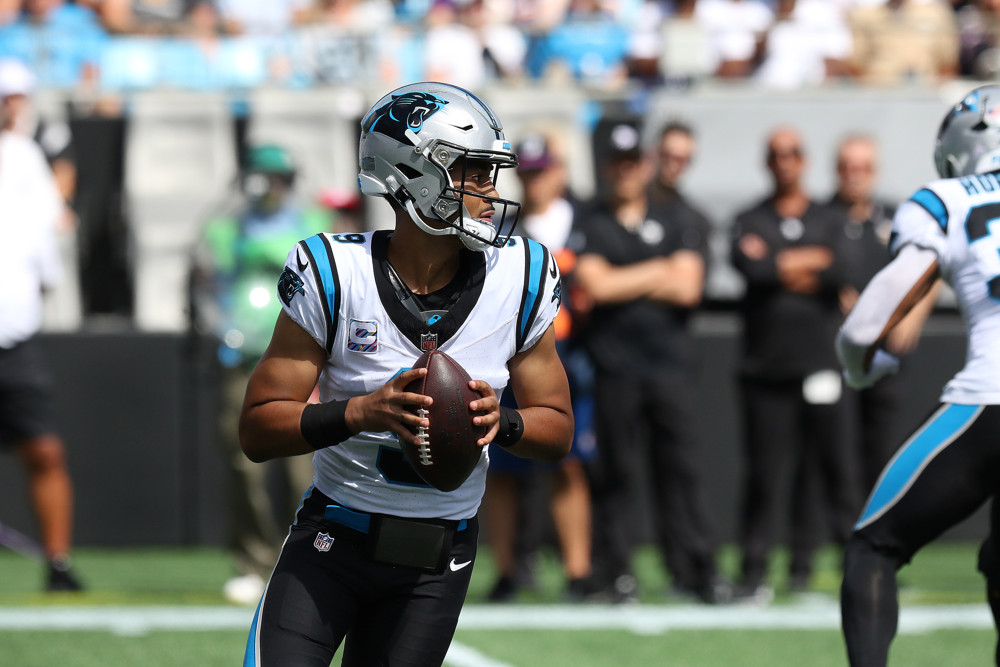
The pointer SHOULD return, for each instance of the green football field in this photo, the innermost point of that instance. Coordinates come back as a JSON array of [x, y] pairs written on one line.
[[159, 607]]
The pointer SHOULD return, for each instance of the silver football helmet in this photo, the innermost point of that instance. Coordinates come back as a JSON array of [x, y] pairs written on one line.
[[409, 141], [969, 139]]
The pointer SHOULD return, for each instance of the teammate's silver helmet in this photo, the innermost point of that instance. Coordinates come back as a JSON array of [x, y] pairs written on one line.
[[409, 141], [969, 139]]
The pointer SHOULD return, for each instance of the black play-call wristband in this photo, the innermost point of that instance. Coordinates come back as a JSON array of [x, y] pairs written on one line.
[[325, 424], [511, 427]]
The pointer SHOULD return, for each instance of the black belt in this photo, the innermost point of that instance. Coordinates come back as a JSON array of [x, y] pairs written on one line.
[[362, 521], [419, 543]]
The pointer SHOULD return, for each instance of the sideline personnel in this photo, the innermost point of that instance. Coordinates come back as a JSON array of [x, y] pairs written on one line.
[[29, 264], [791, 391], [643, 267]]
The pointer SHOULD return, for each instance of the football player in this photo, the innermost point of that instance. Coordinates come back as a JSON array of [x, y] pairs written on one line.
[[948, 467], [375, 554]]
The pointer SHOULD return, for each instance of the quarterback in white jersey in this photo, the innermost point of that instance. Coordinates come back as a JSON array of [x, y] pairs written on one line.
[[378, 559], [509, 306], [949, 466]]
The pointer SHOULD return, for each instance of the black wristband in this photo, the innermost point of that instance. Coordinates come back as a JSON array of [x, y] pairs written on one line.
[[511, 427], [325, 424]]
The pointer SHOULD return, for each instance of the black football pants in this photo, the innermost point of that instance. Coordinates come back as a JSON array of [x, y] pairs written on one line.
[[392, 616], [650, 426], [943, 473], [797, 465]]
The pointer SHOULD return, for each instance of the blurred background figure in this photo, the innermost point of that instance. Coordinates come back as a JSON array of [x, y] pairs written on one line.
[[60, 41], [879, 413], [644, 40], [902, 41], [979, 39], [807, 44], [736, 31], [468, 45], [589, 46], [512, 485], [241, 254], [146, 17], [262, 17], [675, 152], [685, 50], [791, 389], [63, 305], [30, 207], [643, 267], [343, 41]]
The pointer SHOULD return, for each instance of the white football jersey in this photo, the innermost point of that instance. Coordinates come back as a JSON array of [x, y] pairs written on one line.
[[957, 219], [337, 288]]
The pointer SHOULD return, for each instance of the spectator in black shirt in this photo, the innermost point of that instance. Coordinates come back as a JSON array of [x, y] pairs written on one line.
[[792, 393], [878, 412], [674, 154], [643, 267]]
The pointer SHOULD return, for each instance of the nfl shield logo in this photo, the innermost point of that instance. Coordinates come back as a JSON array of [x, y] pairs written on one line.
[[323, 542]]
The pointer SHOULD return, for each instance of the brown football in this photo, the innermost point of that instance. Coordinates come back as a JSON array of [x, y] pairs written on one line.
[[448, 453]]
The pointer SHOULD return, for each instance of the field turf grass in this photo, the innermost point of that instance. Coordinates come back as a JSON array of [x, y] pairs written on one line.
[[180, 581]]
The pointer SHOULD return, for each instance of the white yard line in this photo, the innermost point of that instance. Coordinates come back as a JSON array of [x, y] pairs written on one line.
[[460, 655], [640, 619], [652, 620], [125, 620]]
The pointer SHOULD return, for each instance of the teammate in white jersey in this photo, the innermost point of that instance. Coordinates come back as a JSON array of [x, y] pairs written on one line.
[[950, 465], [375, 554]]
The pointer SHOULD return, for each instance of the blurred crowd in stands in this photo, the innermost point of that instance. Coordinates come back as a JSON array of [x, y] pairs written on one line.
[[123, 45]]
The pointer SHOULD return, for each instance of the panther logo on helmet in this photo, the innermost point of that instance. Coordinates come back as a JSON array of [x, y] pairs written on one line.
[[415, 146], [403, 116], [968, 141]]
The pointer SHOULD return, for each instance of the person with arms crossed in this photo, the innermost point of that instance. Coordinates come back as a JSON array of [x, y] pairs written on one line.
[[642, 265], [949, 466], [358, 310], [791, 391]]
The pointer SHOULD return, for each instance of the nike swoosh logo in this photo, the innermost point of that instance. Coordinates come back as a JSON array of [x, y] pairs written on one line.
[[298, 258], [455, 567], [552, 268]]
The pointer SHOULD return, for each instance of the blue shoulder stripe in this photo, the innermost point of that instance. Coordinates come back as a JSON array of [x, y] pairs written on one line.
[[325, 271], [535, 261], [933, 205], [902, 471]]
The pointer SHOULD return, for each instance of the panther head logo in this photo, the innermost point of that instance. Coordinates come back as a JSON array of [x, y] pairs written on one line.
[[402, 117], [289, 284]]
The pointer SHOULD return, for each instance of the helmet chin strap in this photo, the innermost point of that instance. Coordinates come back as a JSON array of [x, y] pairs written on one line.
[[469, 224], [422, 224], [478, 227]]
